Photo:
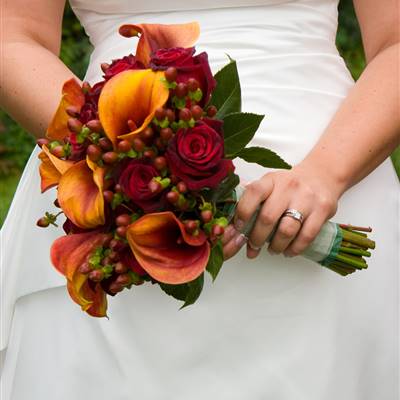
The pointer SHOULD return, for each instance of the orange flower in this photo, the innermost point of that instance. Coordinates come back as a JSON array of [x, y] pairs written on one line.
[[51, 169], [68, 253], [160, 36], [133, 96], [165, 250], [80, 194], [72, 95]]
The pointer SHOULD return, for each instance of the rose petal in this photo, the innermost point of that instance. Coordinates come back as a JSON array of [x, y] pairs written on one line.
[[80, 194], [71, 96], [153, 239], [160, 36], [131, 95]]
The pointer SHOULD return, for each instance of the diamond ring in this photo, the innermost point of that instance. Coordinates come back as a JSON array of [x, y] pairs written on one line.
[[295, 214]]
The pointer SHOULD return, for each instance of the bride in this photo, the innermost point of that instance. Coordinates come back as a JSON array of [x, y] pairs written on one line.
[[270, 327]]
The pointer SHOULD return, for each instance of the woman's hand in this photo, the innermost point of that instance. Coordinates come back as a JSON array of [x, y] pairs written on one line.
[[314, 193]]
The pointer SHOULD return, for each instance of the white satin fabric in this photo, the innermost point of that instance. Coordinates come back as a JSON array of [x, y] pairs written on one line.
[[273, 328]]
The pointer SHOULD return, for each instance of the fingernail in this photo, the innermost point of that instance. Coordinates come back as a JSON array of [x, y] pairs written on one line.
[[240, 240], [257, 248], [270, 251], [229, 232], [239, 224]]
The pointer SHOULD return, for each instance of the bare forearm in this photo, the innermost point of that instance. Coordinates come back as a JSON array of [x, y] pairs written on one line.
[[366, 128], [30, 84]]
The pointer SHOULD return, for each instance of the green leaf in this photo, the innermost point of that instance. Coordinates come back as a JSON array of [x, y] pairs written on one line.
[[262, 156], [239, 129], [227, 94], [188, 292], [216, 260], [225, 188]]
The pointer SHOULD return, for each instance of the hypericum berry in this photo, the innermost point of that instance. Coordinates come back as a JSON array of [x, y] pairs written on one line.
[[121, 231], [85, 268], [120, 268], [197, 112], [95, 126], [105, 144], [185, 114], [174, 179], [192, 84], [206, 216], [116, 288], [138, 144], [113, 256], [159, 144], [58, 151], [118, 188], [123, 279], [94, 152], [170, 74], [218, 230], [104, 67], [110, 157], [181, 90], [132, 125], [172, 197], [86, 87], [148, 134], [160, 163], [166, 133], [181, 186], [149, 153], [170, 114], [154, 186], [96, 275], [123, 220], [106, 261], [73, 111], [160, 113], [117, 245], [108, 196], [191, 226], [43, 222], [42, 142], [124, 146], [74, 125], [212, 111]]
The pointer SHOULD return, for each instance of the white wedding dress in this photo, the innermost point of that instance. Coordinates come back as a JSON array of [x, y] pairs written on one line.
[[273, 328]]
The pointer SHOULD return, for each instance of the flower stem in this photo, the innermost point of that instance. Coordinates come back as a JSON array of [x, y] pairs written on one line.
[[358, 252]]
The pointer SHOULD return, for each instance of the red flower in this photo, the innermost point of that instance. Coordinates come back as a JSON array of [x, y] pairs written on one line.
[[172, 57], [195, 155], [135, 179], [122, 64], [128, 259]]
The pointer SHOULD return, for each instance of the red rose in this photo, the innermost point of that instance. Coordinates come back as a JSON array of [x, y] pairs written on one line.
[[122, 64], [128, 259], [173, 57], [135, 178], [90, 108], [195, 155]]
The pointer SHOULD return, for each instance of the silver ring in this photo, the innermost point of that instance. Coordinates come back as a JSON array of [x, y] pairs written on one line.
[[295, 214]]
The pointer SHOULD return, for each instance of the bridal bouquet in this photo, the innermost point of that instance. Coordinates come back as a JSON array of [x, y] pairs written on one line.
[[142, 162]]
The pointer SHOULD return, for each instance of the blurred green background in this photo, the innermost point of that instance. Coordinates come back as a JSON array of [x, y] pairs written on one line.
[[16, 144]]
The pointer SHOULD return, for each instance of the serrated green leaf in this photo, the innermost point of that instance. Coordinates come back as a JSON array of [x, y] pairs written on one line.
[[188, 292], [239, 129], [262, 156], [216, 260], [227, 94]]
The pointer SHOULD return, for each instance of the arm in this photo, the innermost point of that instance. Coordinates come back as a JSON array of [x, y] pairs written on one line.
[[31, 74], [364, 131]]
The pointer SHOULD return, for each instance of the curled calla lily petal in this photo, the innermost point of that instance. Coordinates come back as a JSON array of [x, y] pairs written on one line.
[[80, 194], [160, 36], [51, 169], [165, 250], [134, 96], [72, 95], [68, 253]]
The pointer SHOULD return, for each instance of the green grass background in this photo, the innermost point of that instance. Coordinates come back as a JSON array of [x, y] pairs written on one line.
[[16, 144]]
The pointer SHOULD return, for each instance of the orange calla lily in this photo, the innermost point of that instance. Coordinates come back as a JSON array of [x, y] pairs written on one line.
[[165, 250], [68, 253], [80, 194], [131, 95], [160, 36], [51, 169], [72, 95]]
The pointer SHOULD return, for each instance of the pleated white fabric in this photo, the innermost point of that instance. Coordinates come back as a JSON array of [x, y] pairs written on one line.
[[273, 328]]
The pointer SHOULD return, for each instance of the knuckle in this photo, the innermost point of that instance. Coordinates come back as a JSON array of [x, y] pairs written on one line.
[[287, 231], [266, 219], [326, 204]]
